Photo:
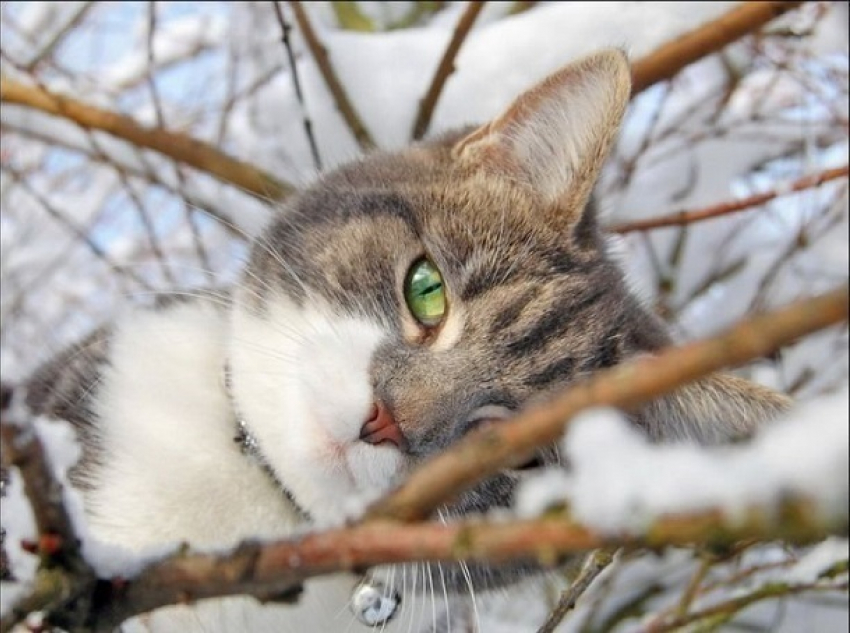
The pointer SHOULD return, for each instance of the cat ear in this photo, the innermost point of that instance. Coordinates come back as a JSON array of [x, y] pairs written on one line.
[[555, 136], [717, 409]]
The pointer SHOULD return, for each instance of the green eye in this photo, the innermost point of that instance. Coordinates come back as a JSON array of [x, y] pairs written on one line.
[[424, 293]]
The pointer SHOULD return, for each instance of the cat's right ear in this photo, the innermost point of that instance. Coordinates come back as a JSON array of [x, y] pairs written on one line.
[[555, 137]]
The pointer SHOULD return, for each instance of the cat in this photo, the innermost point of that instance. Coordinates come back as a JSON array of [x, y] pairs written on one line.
[[394, 305]]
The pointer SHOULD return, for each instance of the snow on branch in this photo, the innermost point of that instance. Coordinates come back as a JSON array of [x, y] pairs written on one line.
[[275, 571]]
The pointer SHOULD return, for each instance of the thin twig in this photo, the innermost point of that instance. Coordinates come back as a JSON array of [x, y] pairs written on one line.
[[725, 611], [687, 48], [285, 28], [79, 233], [320, 54], [681, 218], [486, 451], [445, 68], [178, 146], [72, 21], [594, 564]]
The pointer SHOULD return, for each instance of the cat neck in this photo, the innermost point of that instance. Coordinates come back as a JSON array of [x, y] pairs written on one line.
[[250, 446]]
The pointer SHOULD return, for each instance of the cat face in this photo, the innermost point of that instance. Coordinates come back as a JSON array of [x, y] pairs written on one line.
[[410, 297]]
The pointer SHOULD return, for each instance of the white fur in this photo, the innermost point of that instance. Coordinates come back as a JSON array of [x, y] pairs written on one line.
[[173, 472], [300, 380]]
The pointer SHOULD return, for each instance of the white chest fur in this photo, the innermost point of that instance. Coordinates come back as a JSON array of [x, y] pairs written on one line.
[[173, 472]]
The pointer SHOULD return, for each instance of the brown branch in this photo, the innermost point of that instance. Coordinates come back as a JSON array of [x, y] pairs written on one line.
[[320, 54], [594, 564], [275, 571], [485, 452], [681, 218], [63, 576], [670, 58], [285, 28], [445, 68], [178, 146], [723, 612]]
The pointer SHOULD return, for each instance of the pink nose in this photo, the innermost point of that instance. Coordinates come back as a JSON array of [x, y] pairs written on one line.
[[381, 427]]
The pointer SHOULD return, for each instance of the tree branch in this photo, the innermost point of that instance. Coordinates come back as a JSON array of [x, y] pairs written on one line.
[[178, 146], [594, 564], [64, 580], [484, 452], [445, 68], [275, 571], [681, 218], [673, 56], [320, 54]]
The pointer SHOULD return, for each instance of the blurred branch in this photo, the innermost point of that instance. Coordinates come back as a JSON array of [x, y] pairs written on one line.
[[274, 571], [285, 28], [79, 233], [71, 22], [178, 146], [484, 452], [718, 614], [63, 575], [727, 208], [320, 54], [594, 564], [97, 153], [673, 56], [445, 68]]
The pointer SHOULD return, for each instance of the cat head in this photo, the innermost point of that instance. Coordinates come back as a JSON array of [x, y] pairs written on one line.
[[409, 297]]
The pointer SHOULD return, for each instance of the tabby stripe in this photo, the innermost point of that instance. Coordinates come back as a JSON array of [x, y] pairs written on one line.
[[561, 369], [511, 312], [553, 324]]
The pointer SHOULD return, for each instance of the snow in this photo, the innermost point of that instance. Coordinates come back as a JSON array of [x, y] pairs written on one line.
[[619, 482]]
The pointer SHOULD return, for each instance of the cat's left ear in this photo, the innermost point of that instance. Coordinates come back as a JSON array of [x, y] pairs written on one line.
[[555, 136]]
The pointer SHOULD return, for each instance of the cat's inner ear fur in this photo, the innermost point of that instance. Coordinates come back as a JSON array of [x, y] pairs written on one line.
[[555, 136]]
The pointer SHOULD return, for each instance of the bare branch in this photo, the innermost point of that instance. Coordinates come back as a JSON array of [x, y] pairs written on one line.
[[63, 575], [484, 452], [594, 564], [320, 54], [275, 571], [178, 146], [445, 68], [672, 57], [725, 611], [680, 218], [285, 28]]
